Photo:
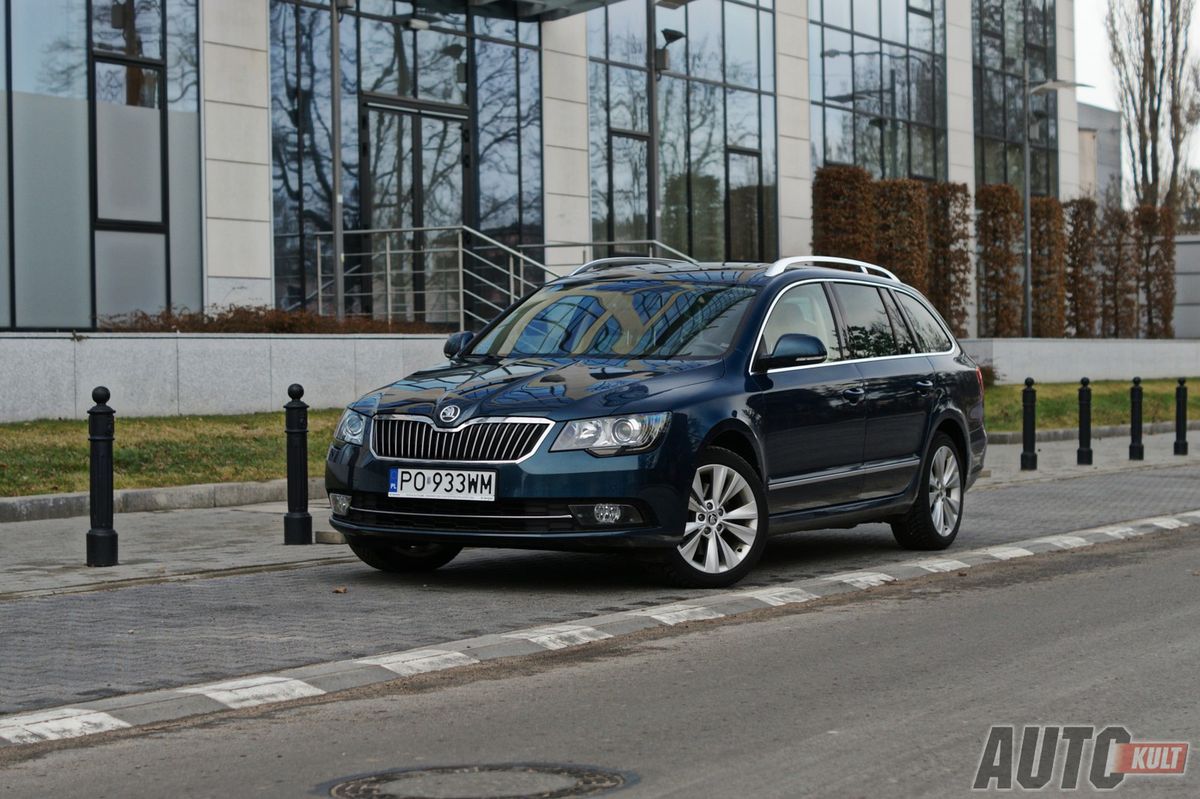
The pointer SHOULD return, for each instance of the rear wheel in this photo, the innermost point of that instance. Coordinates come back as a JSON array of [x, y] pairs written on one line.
[[726, 527], [933, 520], [403, 558]]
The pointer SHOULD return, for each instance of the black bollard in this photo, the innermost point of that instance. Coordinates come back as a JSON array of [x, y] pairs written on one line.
[[297, 523], [1083, 455], [101, 538], [1181, 447], [1137, 452], [1029, 427]]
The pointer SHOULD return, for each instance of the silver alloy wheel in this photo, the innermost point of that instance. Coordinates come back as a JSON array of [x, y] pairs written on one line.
[[722, 520], [945, 490]]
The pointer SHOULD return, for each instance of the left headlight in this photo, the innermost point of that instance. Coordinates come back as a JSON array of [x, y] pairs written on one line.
[[351, 428], [613, 435]]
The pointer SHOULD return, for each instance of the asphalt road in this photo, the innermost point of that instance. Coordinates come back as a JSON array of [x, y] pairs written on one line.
[[890, 692], [165, 635]]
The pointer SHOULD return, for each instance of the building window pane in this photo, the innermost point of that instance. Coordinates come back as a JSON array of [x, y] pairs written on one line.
[[441, 61], [598, 147], [741, 110], [128, 143], [387, 58], [839, 136], [866, 17], [744, 208], [672, 161], [627, 32], [498, 175], [704, 39], [628, 99], [741, 45], [630, 191], [893, 21], [131, 273], [128, 27], [839, 68], [708, 171], [766, 51]]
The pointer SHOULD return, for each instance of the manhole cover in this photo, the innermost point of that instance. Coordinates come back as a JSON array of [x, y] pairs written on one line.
[[482, 782]]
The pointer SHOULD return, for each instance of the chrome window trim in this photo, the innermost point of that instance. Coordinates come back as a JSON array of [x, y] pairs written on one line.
[[954, 349], [824, 477], [547, 424]]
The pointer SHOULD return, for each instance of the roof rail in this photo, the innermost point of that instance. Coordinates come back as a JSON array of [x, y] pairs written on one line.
[[619, 260], [784, 264]]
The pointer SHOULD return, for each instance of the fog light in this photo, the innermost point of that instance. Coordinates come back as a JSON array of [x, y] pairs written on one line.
[[340, 503], [606, 513]]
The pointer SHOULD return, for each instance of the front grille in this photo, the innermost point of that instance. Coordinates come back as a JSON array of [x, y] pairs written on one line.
[[481, 441]]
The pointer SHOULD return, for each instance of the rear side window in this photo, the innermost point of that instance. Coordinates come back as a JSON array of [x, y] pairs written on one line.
[[803, 309], [868, 326], [928, 329]]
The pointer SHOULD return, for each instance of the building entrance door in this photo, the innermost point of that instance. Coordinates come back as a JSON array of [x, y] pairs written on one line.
[[415, 162]]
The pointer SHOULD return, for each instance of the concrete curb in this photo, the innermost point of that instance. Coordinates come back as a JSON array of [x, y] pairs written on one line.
[[141, 500], [131, 710], [1072, 434]]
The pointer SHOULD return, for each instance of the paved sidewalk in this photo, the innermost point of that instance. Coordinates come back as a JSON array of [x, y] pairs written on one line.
[[1056, 459], [158, 633]]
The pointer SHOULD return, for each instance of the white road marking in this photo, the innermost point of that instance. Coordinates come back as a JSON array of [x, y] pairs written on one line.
[[419, 661], [560, 636], [780, 596], [1006, 553], [255, 691], [676, 614], [1116, 532], [942, 565], [56, 724], [1065, 541], [861, 579], [1167, 523]]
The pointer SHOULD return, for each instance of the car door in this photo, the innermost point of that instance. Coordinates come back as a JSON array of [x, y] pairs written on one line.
[[899, 387], [812, 417]]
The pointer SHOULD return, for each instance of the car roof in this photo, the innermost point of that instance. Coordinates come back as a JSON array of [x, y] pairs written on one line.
[[751, 273]]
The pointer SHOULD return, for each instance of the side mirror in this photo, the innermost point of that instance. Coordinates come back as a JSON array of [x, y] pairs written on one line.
[[795, 349], [456, 343]]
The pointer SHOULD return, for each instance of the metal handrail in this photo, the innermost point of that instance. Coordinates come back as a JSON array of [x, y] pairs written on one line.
[[784, 264]]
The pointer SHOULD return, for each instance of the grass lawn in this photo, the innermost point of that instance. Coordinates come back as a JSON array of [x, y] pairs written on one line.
[[52, 456]]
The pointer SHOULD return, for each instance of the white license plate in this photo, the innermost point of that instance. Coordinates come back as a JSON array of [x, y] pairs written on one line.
[[442, 484]]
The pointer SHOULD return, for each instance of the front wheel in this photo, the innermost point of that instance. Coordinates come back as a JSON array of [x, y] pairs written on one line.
[[403, 558], [726, 523], [933, 520]]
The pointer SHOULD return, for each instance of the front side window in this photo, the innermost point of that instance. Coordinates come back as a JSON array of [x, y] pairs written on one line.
[[931, 333], [804, 309], [621, 319], [868, 326]]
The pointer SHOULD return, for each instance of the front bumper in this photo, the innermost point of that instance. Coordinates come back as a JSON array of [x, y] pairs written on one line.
[[533, 499]]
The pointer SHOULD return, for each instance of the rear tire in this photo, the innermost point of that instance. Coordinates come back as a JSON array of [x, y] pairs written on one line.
[[403, 558], [933, 520], [726, 524]]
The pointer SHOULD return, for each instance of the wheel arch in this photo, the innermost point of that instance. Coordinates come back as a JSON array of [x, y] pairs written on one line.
[[735, 436]]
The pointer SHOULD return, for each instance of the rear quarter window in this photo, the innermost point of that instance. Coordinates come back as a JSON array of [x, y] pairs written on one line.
[[929, 330]]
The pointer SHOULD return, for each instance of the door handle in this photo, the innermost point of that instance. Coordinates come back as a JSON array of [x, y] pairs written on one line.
[[854, 395], [924, 385]]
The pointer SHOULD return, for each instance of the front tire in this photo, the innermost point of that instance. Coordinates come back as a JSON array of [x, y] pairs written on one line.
[[933, 520], [726, 528], [403, 558]]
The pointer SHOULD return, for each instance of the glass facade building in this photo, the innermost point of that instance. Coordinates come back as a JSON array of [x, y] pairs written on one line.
[[179, 153], [1006, 34], [682, 126], [877, 80], [101, 166]]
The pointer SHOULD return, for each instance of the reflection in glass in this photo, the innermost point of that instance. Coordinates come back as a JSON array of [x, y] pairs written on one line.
[[440, 56], [741, 45], [132, 27], [598, 148], [630, 195], [869, 329], [628, 99], [498, 176], [672, 161], [627, 32], [708, 171], [744, 208], [387, 58], [742, 110], [704, 39]]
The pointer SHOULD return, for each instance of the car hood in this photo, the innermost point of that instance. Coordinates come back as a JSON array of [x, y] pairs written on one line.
[[548, 387]]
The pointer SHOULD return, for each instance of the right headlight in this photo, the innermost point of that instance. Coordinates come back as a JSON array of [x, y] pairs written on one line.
[[613, 435], [351, 428]]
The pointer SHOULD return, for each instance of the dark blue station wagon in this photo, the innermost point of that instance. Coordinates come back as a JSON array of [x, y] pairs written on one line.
[[683, 410]]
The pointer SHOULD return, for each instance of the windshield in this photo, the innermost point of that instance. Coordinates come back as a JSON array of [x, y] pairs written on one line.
[[621, 319]]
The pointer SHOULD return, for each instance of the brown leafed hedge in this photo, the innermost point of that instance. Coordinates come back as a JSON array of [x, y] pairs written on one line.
[[260, 319], [948, 220], [843, 213], [1048, 243], [1083, 291], [1154, 255], [1118, 274], [901, 238], [998, 231]]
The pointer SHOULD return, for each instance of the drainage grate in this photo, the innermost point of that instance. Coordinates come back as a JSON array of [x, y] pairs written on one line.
[[522, 781]]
